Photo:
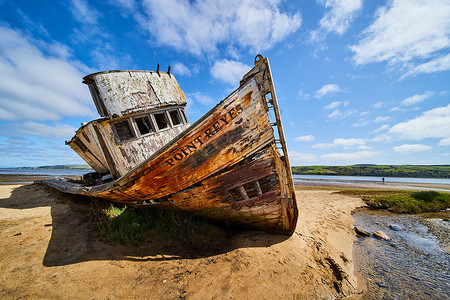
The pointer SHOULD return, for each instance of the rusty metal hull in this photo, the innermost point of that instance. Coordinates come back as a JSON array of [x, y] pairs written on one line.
[[227, 167]]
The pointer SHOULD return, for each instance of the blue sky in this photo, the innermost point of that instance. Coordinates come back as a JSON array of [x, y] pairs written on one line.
[[357, 81]]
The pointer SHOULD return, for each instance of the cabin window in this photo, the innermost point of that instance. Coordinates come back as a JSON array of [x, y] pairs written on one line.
[[175, 117], [184, 116], [144, 125], [161, 120], [123, 131]]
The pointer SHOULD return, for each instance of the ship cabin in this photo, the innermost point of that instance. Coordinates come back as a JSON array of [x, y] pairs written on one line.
[[141, 112]]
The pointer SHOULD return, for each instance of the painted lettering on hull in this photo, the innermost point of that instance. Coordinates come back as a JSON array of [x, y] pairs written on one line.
[[197, 143]]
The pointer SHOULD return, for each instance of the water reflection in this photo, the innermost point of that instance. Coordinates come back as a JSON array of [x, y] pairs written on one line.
[[412, 265]]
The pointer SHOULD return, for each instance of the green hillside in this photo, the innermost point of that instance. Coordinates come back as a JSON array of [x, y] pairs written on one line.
[[418, 171], [66, 167]]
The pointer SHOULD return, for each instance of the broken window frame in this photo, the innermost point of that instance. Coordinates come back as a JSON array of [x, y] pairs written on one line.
[[166, 118], [150, 121], [184, 116], [180, 117], [119, 139]]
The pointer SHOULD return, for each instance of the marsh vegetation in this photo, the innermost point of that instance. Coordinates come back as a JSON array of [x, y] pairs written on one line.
[[402, 201]]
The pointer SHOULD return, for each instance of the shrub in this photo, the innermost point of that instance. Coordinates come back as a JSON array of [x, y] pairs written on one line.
[[427, 196]]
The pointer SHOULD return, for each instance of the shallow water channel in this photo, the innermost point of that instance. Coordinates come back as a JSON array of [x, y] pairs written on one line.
[[413, 264]]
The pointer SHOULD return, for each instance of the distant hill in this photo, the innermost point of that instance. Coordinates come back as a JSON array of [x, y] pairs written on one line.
[[63, 167], [417, 171]]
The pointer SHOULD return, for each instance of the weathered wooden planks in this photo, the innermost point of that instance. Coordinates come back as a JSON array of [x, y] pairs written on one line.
[[118, 93], [225, 167]]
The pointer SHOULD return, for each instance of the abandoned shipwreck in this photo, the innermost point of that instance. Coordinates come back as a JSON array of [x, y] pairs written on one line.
[[230, 166]]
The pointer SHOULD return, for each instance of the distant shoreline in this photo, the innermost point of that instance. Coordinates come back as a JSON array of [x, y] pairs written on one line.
[[406, 171], [56, 167], [6, 179], [372, 184]]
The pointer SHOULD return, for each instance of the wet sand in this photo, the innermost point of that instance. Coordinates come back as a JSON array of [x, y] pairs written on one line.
[[49, 250]]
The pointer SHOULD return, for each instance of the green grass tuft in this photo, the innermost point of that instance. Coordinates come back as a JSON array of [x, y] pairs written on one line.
[[130, 226]]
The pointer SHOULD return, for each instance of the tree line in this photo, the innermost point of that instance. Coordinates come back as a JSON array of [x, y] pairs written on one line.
[[376, 171]]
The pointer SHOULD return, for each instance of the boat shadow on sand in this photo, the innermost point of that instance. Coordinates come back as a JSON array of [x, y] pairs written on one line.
[[74, 238]]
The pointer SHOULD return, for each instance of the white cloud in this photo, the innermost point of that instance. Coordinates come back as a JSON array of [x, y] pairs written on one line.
[[337, 19], [83, 13], [98, 39], [180, 69], [444, 142], [300, 157], [199, 97], [378, 104], [327, 89], [349, 143], [417, 98], [433, 123], [338, 114], [364, 113], [303, 95], [335, 114], [200, 26], [345, 143], [360, 123], [333, 105], [124, 4], [36, 86], [358, 156], [43, 130], [106, 59], [435, 65], [382, 138], [305, 138], [336, 104], [229, 71], [410, 35], [381, 128], [323, 146], [363, 147], [381, 119], [411, 148]]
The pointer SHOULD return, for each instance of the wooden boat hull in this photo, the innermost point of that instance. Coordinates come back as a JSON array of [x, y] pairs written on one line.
[[226, 167]]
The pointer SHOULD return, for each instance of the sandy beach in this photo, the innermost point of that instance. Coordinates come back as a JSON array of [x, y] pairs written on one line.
[[49, 250]]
